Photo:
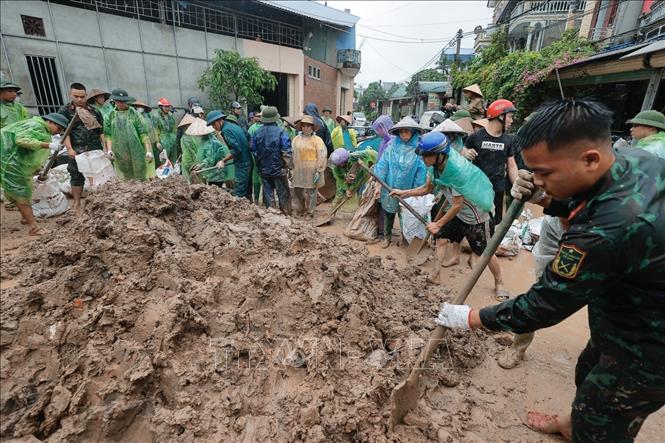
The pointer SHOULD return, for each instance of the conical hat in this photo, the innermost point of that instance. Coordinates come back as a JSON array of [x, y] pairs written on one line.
[[450, 126], [482, 122], [140, 104], [199, 127], [188, 119], [406, 122], [474, 88]]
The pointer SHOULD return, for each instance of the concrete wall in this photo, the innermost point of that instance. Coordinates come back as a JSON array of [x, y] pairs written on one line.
[[149, 60]]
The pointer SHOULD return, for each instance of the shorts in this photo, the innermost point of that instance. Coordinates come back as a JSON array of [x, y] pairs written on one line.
[[477, 235], [75, 177]]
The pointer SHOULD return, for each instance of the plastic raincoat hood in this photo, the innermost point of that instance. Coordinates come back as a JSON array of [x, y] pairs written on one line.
[[385, 123]]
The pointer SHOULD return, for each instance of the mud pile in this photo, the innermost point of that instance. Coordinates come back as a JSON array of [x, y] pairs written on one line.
[[169, 312]]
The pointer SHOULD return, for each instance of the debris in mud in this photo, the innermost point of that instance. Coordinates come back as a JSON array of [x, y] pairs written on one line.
[[170, 312]]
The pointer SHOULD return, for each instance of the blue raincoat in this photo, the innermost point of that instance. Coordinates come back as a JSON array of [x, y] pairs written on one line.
[[401, 168], [269, 144]]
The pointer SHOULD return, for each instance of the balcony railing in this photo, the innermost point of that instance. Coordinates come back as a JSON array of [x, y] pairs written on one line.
[[348, 61], [657, 13]]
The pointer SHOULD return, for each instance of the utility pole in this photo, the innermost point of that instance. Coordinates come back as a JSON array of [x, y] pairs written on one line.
[[458, 61]]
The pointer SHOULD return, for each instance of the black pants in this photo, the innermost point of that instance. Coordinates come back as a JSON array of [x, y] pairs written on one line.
[[498, 207]]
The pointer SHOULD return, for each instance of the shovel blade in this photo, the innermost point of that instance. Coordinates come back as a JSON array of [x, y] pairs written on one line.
[[323, 221], [403, 399], [414, 248]]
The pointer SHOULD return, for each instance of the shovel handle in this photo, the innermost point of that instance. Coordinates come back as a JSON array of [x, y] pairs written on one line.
[[514, 210], [420, 218], [54, 156]]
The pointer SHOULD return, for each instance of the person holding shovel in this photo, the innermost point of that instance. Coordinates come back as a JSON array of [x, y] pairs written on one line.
[[127, 140], [309, 164], [11, 111], [236, 138], [210, 165], [24, 147], [464, 219], [349, 177], [610, 259], [81, 139], [165, 129], [189, 146], [401, 168]]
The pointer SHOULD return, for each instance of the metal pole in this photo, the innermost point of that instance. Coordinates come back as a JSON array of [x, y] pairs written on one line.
[[458, 60], [235, 31], [101, 40], [57, 46], [4, 51], [558, 79], [205, 36], [652, 89], [175, 46], [145, 75]]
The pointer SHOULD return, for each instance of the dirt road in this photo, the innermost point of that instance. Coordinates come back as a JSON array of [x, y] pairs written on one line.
[[488, 405]]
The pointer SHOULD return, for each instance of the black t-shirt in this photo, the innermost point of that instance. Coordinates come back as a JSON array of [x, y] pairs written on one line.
[[84, 139], [492, 155]]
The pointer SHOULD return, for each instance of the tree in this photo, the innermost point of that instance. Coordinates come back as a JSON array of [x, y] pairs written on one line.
[[515, 75], [232, 77], [426, 75], [374, 93]]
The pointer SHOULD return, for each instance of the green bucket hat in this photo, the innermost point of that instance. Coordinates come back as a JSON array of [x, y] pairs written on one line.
[[231, 118], [58, 119], [9, 85], [120, 95], [651, 118], [269, 115], [462, 113]]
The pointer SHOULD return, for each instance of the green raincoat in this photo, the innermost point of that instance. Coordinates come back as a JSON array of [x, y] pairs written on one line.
[[104, 109], [21, 156], [211, 151], [166, 129], [654, 143], [128, 134], [368, 157], [190, 146], [12, 112], [256, 176]]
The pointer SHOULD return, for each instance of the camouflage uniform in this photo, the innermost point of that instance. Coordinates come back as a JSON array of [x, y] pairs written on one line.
[[612, 258]]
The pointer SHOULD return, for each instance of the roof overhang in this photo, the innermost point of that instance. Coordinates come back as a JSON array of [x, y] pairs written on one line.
[[315, 11]]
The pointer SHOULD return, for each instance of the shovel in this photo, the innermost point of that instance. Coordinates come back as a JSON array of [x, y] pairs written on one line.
[[420, 218], [417, 244], [330, 217], [405, 395], [88, 120]]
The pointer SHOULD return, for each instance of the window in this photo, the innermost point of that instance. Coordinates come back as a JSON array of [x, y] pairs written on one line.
[[314, 72], [44, 78], [33, 26]]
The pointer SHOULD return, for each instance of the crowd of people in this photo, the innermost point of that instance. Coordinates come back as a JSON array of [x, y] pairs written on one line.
[[600, 200]]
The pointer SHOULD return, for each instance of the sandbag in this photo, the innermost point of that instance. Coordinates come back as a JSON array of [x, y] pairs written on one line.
[[166, 170], [364, 226], [96, 168], [47, 198], [411, 226]]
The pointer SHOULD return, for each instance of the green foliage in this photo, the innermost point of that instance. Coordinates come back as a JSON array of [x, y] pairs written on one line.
[[373, 93], [515, 75], [231, 77], [426, 75]]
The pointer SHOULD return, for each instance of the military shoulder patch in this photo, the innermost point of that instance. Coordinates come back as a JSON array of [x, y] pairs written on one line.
[[568, 261]]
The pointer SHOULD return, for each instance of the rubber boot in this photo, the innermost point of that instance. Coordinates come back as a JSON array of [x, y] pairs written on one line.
[[512, 356]]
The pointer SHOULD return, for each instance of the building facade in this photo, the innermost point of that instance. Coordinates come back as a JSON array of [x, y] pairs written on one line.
[[159, 48]]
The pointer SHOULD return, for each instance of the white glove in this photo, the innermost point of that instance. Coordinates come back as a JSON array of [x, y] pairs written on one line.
[[524, 189], [54, 147], [454, 316], [148, 157], [109, 154], [220, 164]]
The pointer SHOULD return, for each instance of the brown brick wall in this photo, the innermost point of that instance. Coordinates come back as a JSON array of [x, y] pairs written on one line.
[[321, 92]]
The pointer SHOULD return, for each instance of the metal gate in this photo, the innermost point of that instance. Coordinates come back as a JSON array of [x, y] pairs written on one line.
[[45, 81]]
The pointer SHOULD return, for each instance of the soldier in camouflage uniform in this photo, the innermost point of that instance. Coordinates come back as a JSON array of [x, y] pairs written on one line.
[[81, 139], [611, 259]]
